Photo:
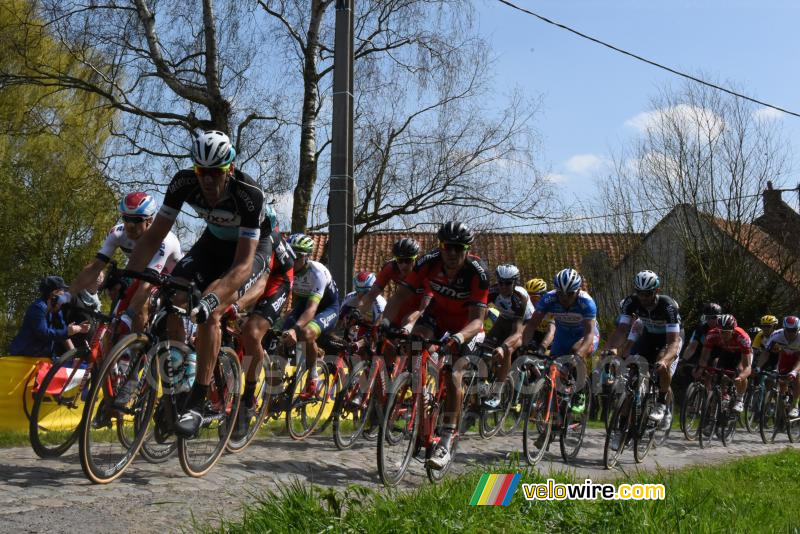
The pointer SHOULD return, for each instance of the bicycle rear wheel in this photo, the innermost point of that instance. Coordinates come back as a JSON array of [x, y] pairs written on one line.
[[111, 433], [538, 427], [254, 416], [58, 405], [692, 411], [767, 423], [575, 421], [351, 408], [618, 431], [397, 436], [304, 415], [709, 419], [198, 455]]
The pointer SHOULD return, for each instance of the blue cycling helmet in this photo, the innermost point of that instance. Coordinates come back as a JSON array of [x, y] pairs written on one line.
[[567, 281]]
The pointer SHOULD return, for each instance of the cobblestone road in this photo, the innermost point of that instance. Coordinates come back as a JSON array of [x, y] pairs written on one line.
[[53, 495]]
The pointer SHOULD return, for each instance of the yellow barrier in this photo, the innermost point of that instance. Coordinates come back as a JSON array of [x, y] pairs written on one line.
[[15, 371]]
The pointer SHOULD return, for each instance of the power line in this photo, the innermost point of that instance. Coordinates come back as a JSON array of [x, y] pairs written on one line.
[[648, 61]]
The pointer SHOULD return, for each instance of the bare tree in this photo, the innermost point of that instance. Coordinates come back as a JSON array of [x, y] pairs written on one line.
[[703, 160]]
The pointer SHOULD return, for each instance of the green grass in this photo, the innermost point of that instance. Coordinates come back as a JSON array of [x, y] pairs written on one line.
[[757, 494], [13, 439]]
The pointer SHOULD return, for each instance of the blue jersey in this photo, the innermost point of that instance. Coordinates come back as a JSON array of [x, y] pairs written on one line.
[[568, 321]]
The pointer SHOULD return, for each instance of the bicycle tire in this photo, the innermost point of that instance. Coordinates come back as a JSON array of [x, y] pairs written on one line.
[[258, 413], [660, 436], [709, 419], [752, 403], [99, 412], [492, 420], [619, 425], [52, 439], [399, 407], [570, 442], [348, 421], [692, 410], [198, 455], [302, 417], [644, 434], [793, 429], [537, 430], [767, 421], [728, 420]]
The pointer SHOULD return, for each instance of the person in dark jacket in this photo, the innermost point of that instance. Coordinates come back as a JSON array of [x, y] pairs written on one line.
[[44, 332]]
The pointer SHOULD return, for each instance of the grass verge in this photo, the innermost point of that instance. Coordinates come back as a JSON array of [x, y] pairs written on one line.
[[753, 494]]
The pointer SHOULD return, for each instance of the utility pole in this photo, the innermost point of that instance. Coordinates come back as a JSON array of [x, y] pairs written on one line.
[[341, 253]]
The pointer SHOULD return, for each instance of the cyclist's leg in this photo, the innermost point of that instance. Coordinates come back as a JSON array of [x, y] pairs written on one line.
[[264, 315], [323, 322]]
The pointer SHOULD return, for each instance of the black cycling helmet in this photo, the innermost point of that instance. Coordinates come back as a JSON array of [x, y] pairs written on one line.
[[456, 233], [405, 248], [712, 308]]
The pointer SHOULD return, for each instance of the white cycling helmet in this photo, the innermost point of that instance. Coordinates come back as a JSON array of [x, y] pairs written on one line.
[[567, 281], [212, 149], [646, 281], [506, 271], [363, 281]]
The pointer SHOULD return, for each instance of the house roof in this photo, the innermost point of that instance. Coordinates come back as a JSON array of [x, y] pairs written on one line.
[[535, 254]]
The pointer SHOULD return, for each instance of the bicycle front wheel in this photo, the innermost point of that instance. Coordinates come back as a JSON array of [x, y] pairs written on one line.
[[57, 409], [538, 423], [692, 411], [769, 412], [118, 410], [305, 412], [618, 430], [253, 417], [708, 421], [397, 436], [351, 408], [198, 455], [575, 421], [665, 426], [492, 419], [752, 405], [644, 432]]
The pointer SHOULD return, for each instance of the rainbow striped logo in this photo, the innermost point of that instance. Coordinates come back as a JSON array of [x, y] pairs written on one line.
[[495, 489]]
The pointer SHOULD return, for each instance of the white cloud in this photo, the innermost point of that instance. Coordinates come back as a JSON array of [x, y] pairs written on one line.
[[682, 116], [583, 164], [768, 114], [283, 207], [556, 178]]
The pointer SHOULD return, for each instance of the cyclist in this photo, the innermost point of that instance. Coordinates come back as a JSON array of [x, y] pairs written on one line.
[[137, 211], [544, 333], [515, 307], [405, 253], [765, 359], [660, 340], [315, 307], [574, 313], [458, 286], [786, 343], [736, 354], [270, 295], [230, 255], [708, 321], [363, 282]]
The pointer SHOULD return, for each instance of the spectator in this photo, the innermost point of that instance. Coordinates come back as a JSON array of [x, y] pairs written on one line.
[[43, 329]]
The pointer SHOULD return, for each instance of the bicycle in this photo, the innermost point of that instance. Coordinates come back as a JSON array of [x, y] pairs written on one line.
[[479, 379], [413, 414], [144, 365], [775, 413], [718, 417], [630, 419], [754, 400], [525, 371], [556, 400], [692, 409]]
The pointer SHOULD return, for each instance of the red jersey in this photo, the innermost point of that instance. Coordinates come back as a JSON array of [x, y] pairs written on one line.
[[281, 265], [390, 272], [738, 343], [452, 298]]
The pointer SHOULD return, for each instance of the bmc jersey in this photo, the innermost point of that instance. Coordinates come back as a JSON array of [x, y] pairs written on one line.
[[451, 298], [568, 320], [390, 272], [281, 265], [168, 254], [313, 284], [516, 306], [738, 343], [351, 302], [239, 213], [663, 318]]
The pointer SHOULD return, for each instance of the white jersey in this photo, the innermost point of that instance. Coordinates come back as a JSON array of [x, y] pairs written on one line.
[[351, 302], [169, 253]]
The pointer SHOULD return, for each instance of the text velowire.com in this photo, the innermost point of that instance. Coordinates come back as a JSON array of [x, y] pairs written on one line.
[[556, 491]]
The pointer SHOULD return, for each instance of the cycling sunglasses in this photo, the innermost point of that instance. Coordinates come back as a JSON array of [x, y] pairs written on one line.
[[458, 247], [646, 294], [134, 219], [505, 282], [411, 259], [705, 318], [214, 172]]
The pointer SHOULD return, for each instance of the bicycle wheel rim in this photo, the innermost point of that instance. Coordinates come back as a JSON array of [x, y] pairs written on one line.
[[538, 426], [708, 421], [574, 428], [492, 420], [198, 455], [54, 421], [617, 429], [348, 419], [256, 414], [398, 432], [104, 457], [645, 431], [691, 413], [303, 416], [660, 435], [769, 411]]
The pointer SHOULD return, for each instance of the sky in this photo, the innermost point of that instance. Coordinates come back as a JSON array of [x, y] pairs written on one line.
[[593, 98]]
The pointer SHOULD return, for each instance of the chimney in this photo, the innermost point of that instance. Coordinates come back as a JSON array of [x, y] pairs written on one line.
[[779, 220], [773, 204]]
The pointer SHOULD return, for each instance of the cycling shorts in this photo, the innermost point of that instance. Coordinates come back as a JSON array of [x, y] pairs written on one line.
[[269, 307], [786, 362], [210, 258], [323, 322]]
